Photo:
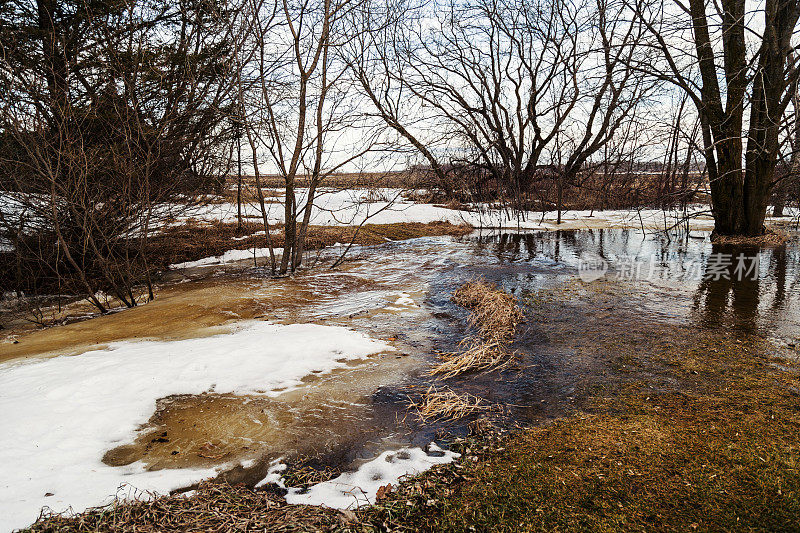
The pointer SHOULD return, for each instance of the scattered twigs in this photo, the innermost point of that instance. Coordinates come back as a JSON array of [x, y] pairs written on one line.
[[213, 507]]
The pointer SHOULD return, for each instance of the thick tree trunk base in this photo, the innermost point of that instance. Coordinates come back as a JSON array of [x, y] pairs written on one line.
[[768, 238]]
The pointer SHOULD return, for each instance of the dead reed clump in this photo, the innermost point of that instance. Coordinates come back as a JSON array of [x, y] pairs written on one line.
[[496, 315], [446, 404], [494, 312], [480, 356]]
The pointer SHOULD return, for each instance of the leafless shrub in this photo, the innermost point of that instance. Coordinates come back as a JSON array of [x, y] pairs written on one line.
[[110, 124]]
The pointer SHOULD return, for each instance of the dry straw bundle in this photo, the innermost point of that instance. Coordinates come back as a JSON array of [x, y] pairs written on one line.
[[446, 404], [496, 315]]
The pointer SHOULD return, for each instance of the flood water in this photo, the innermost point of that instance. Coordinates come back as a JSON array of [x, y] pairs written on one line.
[[641, 292]]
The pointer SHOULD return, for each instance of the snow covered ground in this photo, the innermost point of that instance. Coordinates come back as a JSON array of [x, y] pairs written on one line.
[[228, 257], [385, 206], [60, 415], [354, 489]]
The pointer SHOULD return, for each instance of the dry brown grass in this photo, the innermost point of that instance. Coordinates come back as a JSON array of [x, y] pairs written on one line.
[[496, 315], [214, 507], [479, 357], [446, 404], [494, 312], [195, 240], [771, 237], [345, 180]]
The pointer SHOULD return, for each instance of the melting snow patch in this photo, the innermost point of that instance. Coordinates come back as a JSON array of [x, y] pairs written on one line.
[[274, 474], [353, 489], [228, 257], [405, 299], [404, 302], [60, 415]]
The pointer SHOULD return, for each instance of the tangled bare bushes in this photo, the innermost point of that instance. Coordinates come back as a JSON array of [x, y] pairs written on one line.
[[112, 119]]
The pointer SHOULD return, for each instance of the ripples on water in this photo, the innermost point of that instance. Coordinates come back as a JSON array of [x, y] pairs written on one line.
[[677, 277]]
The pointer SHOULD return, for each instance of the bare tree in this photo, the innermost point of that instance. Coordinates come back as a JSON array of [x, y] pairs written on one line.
[[741, 59], [610, 94], [111, 118], [299, 108], [499, 81]]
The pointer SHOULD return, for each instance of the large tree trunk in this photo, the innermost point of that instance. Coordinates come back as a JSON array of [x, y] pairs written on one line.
[[726, 187], [766, 109], [781, 187], [740, 195], [780, 201]]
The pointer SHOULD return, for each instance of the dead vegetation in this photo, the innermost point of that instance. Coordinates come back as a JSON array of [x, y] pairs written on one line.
[[494, 311], [719, 454], [495, 314], [402, 179], [717, 451], [771, 237], [190, 242], [194, 240], [446, 404], [213, 507], [479, 356]]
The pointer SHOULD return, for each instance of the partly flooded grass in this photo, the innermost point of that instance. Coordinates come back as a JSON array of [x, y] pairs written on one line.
[[658, 375], [719, 454]]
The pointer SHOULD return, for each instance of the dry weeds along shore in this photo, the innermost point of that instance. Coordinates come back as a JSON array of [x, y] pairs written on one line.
[[720, 452], [193, 241], [495, 315]]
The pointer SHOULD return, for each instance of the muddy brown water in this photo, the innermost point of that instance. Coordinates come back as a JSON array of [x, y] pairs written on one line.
[[571, 339]]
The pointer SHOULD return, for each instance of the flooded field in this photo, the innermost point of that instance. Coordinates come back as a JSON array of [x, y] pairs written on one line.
[[587, 295]]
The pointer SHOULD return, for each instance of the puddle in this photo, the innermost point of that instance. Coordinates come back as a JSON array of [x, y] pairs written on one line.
[[400, 293]]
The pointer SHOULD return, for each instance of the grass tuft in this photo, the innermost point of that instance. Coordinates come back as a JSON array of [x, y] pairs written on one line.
[[495, 314], [446, 404]]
